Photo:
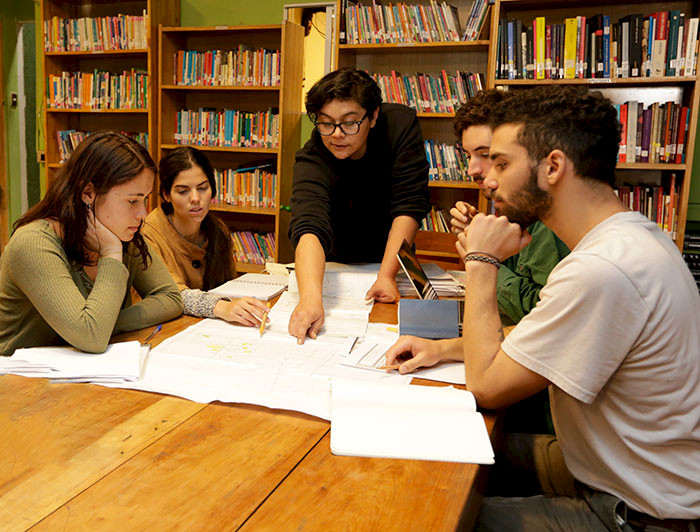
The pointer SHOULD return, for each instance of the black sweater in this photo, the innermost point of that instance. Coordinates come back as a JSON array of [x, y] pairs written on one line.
[[350, 204]]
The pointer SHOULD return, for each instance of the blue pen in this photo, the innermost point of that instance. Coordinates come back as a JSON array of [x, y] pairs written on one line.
[[155, 331]]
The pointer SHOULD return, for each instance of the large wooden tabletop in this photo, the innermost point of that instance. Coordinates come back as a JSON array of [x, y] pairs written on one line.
[[85, 457]]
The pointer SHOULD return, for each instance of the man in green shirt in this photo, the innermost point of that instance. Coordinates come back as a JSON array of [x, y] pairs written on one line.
[[522, 276]]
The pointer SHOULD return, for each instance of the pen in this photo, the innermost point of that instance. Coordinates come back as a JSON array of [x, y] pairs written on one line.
[[264, 319], [153, 333]]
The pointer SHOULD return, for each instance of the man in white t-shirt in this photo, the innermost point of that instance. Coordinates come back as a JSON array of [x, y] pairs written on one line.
[[616, 331]]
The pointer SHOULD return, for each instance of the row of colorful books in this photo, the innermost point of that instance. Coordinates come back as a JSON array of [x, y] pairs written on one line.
[[446, 162], [253, 248], [661, 44], [243, 67], [436, 220], [246, 187], [228, 128], [403, 23], [442, 93], [69, 139], [654, 202], [98, 34], [97, 90], [657, 134]]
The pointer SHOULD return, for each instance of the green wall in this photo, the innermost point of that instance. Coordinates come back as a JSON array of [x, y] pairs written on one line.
[[12, 13], [231, 12]]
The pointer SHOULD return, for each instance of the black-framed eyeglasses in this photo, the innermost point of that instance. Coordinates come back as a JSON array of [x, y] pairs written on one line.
[[349, 128]]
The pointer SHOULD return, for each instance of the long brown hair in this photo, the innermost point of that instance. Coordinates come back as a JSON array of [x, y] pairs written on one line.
[[105, 159], [218, 266]]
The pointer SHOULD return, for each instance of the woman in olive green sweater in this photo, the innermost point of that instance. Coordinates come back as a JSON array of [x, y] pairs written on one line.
[[66, 274]]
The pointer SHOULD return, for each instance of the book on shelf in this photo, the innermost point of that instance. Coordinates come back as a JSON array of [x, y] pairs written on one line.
[[446, 162], [403, 23], [658, 204], [69, 139], [437, 220], [240, 67], [657, 134], [227, 128], [253, 248], [664, 43], [475, 21], [97, 90], [247, 187], [441, 93], [97, 34]]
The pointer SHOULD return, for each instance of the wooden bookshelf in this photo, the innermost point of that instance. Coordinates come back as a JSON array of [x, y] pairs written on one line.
[[115, 61], [430, 58], [683, 90], [286, 98]]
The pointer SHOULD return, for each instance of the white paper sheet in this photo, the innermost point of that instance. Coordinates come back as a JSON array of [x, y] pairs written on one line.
[[369, 353], [412, 422]]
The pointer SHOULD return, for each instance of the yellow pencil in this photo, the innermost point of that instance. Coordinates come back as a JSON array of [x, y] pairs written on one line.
[[392, 366], [264, 319]]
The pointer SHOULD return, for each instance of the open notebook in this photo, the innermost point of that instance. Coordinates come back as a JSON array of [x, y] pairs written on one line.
[[414, 422], [257, 285]]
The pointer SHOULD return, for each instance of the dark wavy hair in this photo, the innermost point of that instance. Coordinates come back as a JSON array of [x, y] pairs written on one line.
[[478, 110], [581, 123], [344, 84], [218, 266], [105, 159]]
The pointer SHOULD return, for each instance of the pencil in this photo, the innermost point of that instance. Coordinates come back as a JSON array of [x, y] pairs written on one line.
[[264, 319], [392, 366]]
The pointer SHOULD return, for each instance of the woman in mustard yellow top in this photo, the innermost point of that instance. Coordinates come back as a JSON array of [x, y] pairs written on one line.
[[194, 244], [66, 274]]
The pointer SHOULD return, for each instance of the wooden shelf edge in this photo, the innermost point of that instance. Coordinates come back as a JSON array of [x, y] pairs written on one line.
[[598, 81], [219, 88], [225, 207], [105, 111], [271, 151], [132, 51], [453, 184], [650, 166], [221, 28], [249, 267], [412, 45]]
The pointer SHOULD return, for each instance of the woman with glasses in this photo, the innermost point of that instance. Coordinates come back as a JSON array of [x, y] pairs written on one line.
[[360, 189]]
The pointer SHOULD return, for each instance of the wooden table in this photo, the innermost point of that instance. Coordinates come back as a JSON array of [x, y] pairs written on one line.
[[85, 457]]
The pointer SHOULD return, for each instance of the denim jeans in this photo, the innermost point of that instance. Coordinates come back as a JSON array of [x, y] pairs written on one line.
[[543, 495]]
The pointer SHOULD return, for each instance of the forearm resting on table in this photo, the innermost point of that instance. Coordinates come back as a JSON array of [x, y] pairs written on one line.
[[402, 228]]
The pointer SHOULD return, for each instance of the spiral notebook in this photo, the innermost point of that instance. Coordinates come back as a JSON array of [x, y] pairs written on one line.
[[258, 285]]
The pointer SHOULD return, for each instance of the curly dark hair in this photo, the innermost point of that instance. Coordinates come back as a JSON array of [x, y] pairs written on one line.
[[344, 84], [218, 267], [478, 110], [581, 123], [105, 159]]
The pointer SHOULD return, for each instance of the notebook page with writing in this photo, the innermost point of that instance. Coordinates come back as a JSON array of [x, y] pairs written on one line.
[[257, 285], [410, 422]]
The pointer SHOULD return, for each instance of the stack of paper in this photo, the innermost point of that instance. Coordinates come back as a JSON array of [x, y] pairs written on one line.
[[412, 422], [369, 353], [119, 363], [444, 284], [258, 285], [346, 310]]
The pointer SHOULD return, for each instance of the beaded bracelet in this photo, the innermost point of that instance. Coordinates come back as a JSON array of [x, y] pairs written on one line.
[[482, 258]]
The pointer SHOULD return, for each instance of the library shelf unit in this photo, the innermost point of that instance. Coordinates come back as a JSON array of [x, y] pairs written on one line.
[[285, 99], [110, 60], [430, 58], [682, 90]]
